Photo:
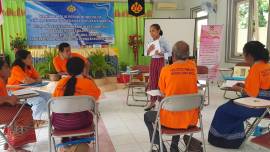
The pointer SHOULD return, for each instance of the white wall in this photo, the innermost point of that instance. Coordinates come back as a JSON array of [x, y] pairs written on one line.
[[214, 18]]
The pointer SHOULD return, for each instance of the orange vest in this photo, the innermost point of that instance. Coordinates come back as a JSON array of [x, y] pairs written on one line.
[[18, 75], [83, 86], [3, 89], [60, 64], [258, 78], [179, 79]]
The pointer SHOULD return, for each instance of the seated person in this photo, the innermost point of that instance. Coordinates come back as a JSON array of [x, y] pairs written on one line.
[[74, 85], [23, 72], [227, 128], [177, 79], [60, 61], [22, 131]]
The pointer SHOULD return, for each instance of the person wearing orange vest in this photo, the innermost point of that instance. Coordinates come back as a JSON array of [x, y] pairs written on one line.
[[227, 128], [60, 61], [177, 79]]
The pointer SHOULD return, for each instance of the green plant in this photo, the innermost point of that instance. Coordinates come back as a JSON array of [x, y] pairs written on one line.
[[123, 66], [18, 42], [98, 64], [46, 67]]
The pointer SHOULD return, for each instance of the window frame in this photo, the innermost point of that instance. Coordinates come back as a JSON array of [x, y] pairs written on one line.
[[230, 42], [193, 12]]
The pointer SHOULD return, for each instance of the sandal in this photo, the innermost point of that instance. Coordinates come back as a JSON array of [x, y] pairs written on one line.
[[40, 123]]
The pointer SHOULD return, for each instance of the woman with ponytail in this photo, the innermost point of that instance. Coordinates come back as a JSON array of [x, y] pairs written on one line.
[[157, 61], [227, 128], [74, 85]]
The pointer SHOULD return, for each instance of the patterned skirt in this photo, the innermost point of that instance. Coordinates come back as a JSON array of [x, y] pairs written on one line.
[[22, 131], [155, 69]]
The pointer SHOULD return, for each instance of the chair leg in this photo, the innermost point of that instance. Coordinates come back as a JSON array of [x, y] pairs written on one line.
[[127, 96], [160, 138], [96, 133], [202, 133], [188, 144], [54, 145], [50, 143], [208, 94], [153, 136]]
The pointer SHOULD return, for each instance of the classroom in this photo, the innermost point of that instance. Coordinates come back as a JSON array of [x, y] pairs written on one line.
[[134, 76]]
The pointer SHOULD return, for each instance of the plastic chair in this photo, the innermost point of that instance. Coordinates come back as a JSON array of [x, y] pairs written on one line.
[[176, 104], [72, 104], [204, 83], [135, 83]]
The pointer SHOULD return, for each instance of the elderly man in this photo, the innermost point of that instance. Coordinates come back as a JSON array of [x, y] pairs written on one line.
[[177, 79]]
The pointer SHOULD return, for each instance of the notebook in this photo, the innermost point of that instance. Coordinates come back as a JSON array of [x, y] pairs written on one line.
[[25, 93], [157, 47], [230, 83], [154, 93]]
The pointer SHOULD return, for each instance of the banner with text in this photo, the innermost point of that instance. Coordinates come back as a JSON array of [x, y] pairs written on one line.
[[77, 23], [209, 54]]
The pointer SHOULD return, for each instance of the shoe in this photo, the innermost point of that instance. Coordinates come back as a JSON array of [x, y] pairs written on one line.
[[195, 145], [150, 107], [40, 123], [174, 149]]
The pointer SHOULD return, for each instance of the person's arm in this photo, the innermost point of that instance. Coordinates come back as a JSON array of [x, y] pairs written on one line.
[[12, 100], [56, 65], [150, 49]]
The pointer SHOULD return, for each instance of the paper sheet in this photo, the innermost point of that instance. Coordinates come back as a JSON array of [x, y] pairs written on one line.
[[253, 102], [157, 47], [230, 83], [24, 92], [154, 93]]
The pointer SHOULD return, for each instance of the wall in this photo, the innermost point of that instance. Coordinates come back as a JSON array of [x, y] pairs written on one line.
[[218, 18]]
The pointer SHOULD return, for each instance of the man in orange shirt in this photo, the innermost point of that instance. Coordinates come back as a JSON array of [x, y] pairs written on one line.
[[60, 61], [177, 79]]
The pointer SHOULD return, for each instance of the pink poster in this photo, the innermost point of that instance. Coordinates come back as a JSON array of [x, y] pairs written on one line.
[[211, 36]]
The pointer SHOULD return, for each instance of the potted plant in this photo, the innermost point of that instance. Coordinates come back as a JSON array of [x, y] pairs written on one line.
[[18, 42], [99, 67], [46, 68]]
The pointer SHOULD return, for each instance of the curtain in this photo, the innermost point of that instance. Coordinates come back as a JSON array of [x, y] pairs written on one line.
[[125, 25], [14, 23]]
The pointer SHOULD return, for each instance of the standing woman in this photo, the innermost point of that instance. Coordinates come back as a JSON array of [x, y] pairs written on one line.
[[157, 61], [23, 72]]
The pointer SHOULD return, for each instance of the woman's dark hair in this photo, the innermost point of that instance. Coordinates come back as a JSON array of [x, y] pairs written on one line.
[[157, 27], [257, 50], [19, 57], [75, 66], [62, 46]]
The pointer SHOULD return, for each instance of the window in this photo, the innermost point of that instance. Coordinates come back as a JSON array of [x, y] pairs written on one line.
[[201, 17], [246, 20]]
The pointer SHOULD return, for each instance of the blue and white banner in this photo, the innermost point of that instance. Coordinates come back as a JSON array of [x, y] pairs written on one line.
[[79, 24]]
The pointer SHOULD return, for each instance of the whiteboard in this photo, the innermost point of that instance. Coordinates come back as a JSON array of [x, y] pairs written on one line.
[[173, 30]]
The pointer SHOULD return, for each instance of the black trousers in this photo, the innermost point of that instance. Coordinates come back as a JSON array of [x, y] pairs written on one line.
[[149, 120]]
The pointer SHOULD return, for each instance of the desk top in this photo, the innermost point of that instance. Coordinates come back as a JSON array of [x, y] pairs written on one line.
[[225, 69], [252, 102]]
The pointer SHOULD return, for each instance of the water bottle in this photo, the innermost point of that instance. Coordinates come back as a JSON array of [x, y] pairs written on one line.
[[128, 70]]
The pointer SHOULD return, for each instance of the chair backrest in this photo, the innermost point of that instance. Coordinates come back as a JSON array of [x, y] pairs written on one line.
[[202, 69], [182, 102], [71, 104]]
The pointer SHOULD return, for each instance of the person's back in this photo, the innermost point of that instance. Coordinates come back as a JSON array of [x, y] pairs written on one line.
[[74, 85], [178, 79]]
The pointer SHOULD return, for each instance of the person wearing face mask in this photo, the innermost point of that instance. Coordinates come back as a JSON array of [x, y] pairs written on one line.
[[227, 128], [157, 61]]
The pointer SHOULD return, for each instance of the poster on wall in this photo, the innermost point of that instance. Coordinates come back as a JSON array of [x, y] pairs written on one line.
[[78, 23], [209, 54]]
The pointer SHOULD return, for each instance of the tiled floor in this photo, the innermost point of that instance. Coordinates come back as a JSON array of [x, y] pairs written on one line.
[[126, 127]]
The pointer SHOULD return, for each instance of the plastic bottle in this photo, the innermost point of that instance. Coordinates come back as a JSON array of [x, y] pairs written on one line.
[[128, 70]]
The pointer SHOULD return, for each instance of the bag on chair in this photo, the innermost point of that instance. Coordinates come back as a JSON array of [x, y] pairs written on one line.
[[83, 147], [195, 145]]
